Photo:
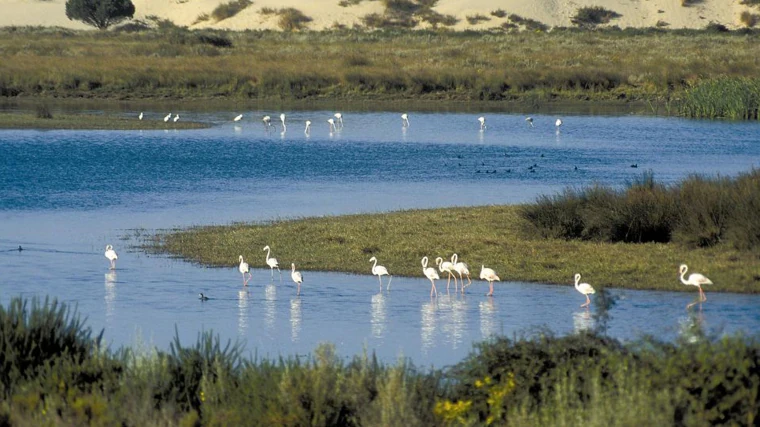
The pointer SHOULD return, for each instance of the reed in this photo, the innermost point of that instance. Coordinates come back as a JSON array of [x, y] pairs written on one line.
[[729, 98]]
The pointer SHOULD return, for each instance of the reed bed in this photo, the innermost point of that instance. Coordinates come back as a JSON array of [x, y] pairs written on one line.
[[522, 243], [582, 379], [731, 98], [534, 66]]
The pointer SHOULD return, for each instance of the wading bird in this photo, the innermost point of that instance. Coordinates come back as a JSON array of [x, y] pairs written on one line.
[[267, 121], [296, 276], [176, 118], [380, 271], [558, 123], [489, 275], [339, 117], [405, 120], [243, 269], [167, 117], [282, 119], [448, 267], [110, 254], [462, 269], [431, 274], [695, 279], [583, 288], [272, 262], [238, 118], [529, 120], [482, 121], [332, 125], [140, 116], [307, 130]]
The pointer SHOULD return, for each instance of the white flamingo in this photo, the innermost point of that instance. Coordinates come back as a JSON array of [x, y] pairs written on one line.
[[558, 123], [489, 275], [482, 121], [111, 255], [307, 130], [583, 288], [431, 274], [462, 269], [267, 121], [380, 271], [332, 125], [296, 276], [167, 117], [529, 120], [272, 262], [243, 269], [695, 279], [176, 118], [448, 267], [405, 120], [339, 117], [238, 118], [140, 116], [282, 119]]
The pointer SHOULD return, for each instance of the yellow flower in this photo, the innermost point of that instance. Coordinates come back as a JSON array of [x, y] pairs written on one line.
[[203, 397]]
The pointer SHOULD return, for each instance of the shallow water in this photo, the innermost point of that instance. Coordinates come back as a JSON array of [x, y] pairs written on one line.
[[65, 194]]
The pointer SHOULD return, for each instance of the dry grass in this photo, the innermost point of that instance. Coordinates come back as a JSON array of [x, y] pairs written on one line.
[[641, 64]]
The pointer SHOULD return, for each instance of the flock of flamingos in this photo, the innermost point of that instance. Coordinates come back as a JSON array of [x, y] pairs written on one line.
[[448, 267]]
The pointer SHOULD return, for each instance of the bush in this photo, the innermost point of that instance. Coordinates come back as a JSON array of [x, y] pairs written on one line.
[[101, 14], [291, 19], [749, 19], [499, 13], [476, 19], [229, 9], [592, 16]]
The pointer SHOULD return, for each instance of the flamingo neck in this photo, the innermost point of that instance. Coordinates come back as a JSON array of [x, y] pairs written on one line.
[[683, 279]]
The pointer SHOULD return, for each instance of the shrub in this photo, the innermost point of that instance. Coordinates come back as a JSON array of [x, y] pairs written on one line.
[[499, 13], [714, 27], [216, 40], [749, 19], [592, 16], [291, 19], [101, 14], [229, 9], [476, 19]]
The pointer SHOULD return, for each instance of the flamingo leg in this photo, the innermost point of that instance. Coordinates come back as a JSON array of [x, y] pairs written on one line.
[[380, 279], [448, 283], [702, 294], [388, 287], [299, 289], [490, 288], [588, 301]]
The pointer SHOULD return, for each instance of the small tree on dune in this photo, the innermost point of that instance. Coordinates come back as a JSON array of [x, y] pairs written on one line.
[[100, 13]]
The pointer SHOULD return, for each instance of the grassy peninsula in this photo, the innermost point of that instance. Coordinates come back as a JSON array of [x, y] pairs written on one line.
[[634, 238], [89, 121], [654, 66]]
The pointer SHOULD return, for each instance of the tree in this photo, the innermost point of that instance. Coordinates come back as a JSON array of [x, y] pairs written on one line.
[[100, 13]]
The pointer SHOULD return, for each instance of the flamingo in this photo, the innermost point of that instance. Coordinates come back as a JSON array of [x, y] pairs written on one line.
[[448, 268], [282, 119], [110, 254], [431, 274], [267, 121], [489, 275], [308, 127], [405, 120], [140, 117], [482, 121], [695, 279], [379, 271], [176, 118], [296, 276], [167, 117], [583, 288], [529, 120], [558, 123], [243, 269], [238, 118], [339, 117], [462, 269], [272, 262], [332, 125]]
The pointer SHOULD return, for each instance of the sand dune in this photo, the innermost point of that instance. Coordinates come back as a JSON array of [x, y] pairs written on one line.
[[327, 13]]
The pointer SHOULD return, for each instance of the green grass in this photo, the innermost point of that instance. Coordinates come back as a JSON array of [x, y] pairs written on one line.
[[491, 235], [532, 67], [90, 121], [731, 98], [582, 379]]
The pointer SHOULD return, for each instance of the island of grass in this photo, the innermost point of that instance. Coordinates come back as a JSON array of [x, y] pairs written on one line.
[[632, 238], [89, 122]]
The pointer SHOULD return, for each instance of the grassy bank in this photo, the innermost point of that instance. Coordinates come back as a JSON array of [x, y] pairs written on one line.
[[89, 121], [55, 371], [492, 235], [529, 67]]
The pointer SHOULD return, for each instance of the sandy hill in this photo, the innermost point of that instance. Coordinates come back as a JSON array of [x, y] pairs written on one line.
[[326, 13]]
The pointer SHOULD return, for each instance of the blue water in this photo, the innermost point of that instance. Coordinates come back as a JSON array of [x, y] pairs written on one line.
[[64, 195]]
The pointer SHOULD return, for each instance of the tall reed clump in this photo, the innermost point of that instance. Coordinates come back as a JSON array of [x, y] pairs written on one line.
[[735, 98], [700, 212]]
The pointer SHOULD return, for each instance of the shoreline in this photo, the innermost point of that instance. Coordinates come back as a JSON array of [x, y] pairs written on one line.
[[491, 235]]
